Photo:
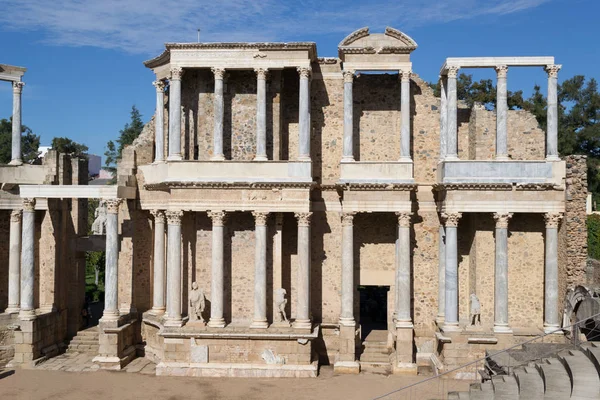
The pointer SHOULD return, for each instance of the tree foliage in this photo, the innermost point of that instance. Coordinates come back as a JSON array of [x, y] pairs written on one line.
[[593, 239], [127, 135], [70, 147], [29, 143]]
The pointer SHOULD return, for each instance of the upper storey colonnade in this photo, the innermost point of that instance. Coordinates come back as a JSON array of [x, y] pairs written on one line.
[[14, 75]]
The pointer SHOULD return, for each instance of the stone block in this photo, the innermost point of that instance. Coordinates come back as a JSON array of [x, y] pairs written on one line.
[[198, 354]]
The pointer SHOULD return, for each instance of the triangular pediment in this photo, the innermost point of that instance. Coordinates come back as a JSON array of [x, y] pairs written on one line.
[[391, 40]]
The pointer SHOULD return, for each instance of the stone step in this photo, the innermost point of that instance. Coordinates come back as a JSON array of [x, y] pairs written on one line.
[[459, 396], [586, 383], [385, 358], [505, 387], [83, 341], [556, 379], [381, 368], [481, 391], [531, 384]]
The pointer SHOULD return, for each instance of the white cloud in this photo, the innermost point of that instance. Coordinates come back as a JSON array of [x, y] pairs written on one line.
[[142, 26]]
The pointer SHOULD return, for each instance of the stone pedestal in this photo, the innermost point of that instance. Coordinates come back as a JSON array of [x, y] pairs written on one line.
[[404, 352], [346, 362]]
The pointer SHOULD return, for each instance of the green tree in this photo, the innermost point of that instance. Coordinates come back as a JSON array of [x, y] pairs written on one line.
[[593, 240], [29, 143], [70, 147], [126, 136]]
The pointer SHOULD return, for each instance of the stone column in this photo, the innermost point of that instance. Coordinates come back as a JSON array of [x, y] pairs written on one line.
[[218, 103], [443, 117], [348, 148], [403, 294], [303, 292], [552, 117], [451, 297], [261, 114], [27, 311], [159, 122], [158, 306], [501, 274], [405, 111], [452, 131], [173, 317], [304, 114], [260, 271], [16, 124], [551, 321], [175, 114], [111, 285], [216, 305], [347, 312], [501, 113], [14, 262], [441, 274]]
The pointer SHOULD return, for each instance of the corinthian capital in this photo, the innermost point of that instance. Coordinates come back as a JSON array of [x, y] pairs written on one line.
[[18, 87], [261, 73], [217, 217], [451, 219], [218, 72], [260, 218], [176, 73], [159, 85], [303, 218], [404, 219], [174, 217], [348, 75], [501, 71], [159, 216], [304, 72], [112, 205], [502, 219], [405, 75], [348, 218], [15, 215], [29, 204], [453, 72], [552, 70], [552, 219]]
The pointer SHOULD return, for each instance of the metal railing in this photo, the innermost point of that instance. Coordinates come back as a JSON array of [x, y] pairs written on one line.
[[437, 387]]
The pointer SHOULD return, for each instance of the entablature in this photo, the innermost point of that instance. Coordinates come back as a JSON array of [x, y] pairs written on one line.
[[11, 73]]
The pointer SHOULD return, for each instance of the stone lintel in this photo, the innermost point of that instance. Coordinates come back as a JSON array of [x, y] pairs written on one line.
[[493, 62], [77, 191]]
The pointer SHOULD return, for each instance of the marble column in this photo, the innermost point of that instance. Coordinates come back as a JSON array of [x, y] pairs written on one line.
[[501, 113], [14, 262], [348, 145], [303, 300], [175, 114], [111, 284], [347, 312], [441, 274], [443, 116], [304, 114], [158, 299], [261, 114], [173, 316], [405, 115], [452, 124], [16, 124], [216, 285], [551, 316], [403, 281], [260, 271], [159, 122], [451, 297], [219, 111], [501, 274], [552, 116]]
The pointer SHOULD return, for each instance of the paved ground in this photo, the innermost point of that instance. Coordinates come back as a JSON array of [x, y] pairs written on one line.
[[53, 381]]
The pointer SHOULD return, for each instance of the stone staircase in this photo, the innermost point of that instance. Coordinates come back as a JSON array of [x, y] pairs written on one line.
[[375, 357], [85, 341], [571, 374]]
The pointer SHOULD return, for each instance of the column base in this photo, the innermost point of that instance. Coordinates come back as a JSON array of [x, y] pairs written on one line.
[[302, 324], [259, 324], [439, 320], [552, 158], [174, 157], [406, 324], [304, 158], [260, 158], [405, 159], [216, 323], [552, 329], [27, 315], [174, 322], [12, 309], [220, 157], [162, 160], [405, 369], [502, 157], [16, 162], [347, 322], [502, 328], [158, 310], [348, 159], [109, 316], [451, 158], [281, 324], [346, 367], [451, 327]]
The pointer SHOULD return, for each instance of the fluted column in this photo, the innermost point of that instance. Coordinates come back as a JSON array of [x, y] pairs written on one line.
[[16, 124], [443, 116], [441, 273], [303, 300], [348, 146], [173, 317], [14, 262], [261, 114], [347, 312], [260, 271], [551, 316], [403, 294], [217, 298], [501, 274], [451, 297], [111, 284], [304, 114], [159, 122], [501, 113], [405, 115], [159, 304], [218, 103], [175, 114], [552, 117], [452, 132]]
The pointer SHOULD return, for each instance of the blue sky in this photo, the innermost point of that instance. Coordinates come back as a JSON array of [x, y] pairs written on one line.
[[84, 58]]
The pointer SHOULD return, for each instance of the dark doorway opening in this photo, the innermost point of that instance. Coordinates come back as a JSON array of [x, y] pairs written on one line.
[[373, 309]]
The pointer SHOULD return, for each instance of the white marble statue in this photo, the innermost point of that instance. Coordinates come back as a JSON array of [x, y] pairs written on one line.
[[270, 358], [99, 225], [280, 302], [196, 303], [475, 310]]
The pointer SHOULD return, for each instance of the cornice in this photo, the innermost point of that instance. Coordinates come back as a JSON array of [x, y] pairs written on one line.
[[440, 187], [228, 185], [401, 187]]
